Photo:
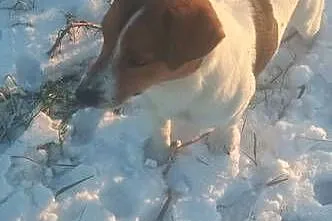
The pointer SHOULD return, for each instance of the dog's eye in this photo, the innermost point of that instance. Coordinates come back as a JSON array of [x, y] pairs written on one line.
[[137, 61]]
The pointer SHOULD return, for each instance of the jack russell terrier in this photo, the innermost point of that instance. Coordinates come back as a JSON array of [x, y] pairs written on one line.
[[195, 59]]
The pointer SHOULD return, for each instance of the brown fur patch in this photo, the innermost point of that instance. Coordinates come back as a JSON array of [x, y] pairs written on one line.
[[193, 30], [266, 28], [166, 42]]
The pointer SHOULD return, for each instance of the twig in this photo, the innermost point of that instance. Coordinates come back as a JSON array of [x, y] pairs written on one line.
[[302, 90], [254, 158], [255, 148], [314, 139], [194, 140], [82, 212], [35, 162], [27, 24], [63, 32], [199, 159], [283, 111], [244, 122], [65, 188], [26, 158], [166, 204], [283, 72], [13, 8], [249, 157], [64, 165], [176, 146], [279, 179]]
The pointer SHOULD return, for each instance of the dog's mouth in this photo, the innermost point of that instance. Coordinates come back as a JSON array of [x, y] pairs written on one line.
[[90, 98]]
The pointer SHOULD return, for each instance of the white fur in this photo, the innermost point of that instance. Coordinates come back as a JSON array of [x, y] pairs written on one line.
[[117, 48]]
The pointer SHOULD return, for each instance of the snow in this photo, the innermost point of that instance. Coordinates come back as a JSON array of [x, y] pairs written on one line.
[[28, 72], [285, 173]]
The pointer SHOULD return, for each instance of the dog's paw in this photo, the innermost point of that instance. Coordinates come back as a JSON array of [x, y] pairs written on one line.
[[223, 142], [226, 142], [218, 145], [158, 152]]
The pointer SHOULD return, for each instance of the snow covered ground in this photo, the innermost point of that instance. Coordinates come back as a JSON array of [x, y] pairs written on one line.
[[283, 171]]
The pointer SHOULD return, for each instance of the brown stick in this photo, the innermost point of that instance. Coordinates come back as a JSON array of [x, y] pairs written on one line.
[[63, 32], [166, 204]]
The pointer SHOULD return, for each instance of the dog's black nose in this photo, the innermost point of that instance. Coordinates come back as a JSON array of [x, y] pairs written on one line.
[[88, 97]]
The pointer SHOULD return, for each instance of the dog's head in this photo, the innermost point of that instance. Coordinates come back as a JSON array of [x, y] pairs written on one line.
[[147, 42]]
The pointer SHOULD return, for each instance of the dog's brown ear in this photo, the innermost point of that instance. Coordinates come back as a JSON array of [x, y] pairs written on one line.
[[193, 30], [116, 18]]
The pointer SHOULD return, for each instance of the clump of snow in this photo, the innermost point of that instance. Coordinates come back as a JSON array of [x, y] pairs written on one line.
[[298, 76], [28, 72]]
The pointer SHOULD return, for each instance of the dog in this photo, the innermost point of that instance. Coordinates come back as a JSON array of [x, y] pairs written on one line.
[[191, 59]]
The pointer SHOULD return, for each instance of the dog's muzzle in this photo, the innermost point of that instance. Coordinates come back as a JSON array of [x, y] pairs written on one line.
[[88, 97]]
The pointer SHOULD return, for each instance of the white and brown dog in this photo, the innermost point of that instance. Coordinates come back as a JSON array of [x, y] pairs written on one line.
[[191, 58]]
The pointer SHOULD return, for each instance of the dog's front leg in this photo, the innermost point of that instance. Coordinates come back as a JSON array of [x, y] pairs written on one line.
[[157, 146]]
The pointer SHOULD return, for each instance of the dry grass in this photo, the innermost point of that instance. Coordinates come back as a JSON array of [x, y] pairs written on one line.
[[71, 29], [19, 107], [59, 102]]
